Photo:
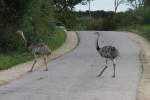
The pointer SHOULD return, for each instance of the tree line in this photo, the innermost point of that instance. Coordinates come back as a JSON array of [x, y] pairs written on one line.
[[101, 20], [138, 14], [38, 18]]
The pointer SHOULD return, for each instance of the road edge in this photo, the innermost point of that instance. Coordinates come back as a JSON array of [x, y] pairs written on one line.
[[143, 92], [6, 76]]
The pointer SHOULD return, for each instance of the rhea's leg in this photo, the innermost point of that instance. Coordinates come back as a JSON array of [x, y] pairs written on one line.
[[104, 68], [102, 71], [33, 65], [106, 61], [46, 69], [114, 66]]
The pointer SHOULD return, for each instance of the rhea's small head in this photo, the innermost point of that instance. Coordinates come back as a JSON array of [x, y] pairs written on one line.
[[96, 33], [22, 35]]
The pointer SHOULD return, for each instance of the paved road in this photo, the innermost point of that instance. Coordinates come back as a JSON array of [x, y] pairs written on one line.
[[73, 76]]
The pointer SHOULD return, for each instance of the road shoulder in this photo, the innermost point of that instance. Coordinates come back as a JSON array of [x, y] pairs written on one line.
[[144, 85], [17, 71]]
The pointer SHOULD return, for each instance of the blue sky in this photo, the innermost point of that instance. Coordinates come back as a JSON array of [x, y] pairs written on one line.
[[106, 5]]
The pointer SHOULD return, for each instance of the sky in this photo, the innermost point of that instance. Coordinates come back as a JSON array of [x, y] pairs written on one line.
[[107, 5]]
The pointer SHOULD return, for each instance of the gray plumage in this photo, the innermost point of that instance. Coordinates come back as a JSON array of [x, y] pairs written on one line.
[[107, 52], [37, 49]]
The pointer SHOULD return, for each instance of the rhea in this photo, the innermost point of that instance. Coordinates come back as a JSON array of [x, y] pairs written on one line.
[[37, 49], [109, 53]]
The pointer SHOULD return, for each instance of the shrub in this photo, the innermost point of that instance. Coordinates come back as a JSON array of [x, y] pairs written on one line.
[[93, 24], [99, 24], [34, 17]]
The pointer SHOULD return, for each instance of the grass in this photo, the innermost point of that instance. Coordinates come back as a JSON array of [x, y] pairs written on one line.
[[142, 30], [58, 38], [7, 60]]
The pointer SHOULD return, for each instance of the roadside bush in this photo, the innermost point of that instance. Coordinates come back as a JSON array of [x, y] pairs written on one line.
[[136, 17], [34, 17], [143, 16], [144, 31], [123, 19], [99, 24], [93, 24]]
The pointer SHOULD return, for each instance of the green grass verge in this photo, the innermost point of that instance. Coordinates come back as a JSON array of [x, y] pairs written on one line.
[[7, 60], [142, 30]]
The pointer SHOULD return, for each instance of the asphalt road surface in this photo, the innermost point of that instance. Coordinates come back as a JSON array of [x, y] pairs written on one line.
[[74, 75]]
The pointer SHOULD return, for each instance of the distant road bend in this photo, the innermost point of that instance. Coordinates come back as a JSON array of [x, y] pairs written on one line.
[[73, 76]]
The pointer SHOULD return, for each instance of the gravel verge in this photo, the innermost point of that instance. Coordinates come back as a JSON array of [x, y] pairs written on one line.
[[144, 84]]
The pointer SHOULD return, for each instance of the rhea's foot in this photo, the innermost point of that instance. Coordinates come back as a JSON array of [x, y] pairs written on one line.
[[113, 76], [30, 71], [46, 69], [99, 75]]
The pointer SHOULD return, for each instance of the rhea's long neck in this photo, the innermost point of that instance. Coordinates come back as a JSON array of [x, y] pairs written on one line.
[[97, 46]]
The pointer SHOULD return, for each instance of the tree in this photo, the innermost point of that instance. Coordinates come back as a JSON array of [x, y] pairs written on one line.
[[89, 1], [117, 3], [136, 3], [147, 3], [84, 2], [64, 5], [64, 11], [32, 16]]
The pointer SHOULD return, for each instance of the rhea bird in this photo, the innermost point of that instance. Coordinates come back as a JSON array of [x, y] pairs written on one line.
[[109, 53], [37, 49]]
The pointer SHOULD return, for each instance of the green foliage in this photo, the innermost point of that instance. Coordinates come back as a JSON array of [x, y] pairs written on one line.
[[10, 59], [38, 20], [10, 14], [93, 24], [64, 5], [136, 21], [64, 12], [99, 24], [125, 19], [136, 4], [133, 17], [143, 16], [34, 17], [143, 31], [147, 3], [56, 39], [100, 20]]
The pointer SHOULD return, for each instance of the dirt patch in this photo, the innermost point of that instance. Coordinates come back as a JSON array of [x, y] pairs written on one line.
[[144, 85]]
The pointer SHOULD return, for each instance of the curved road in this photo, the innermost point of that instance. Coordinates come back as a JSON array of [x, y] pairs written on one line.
[[73, 76]]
